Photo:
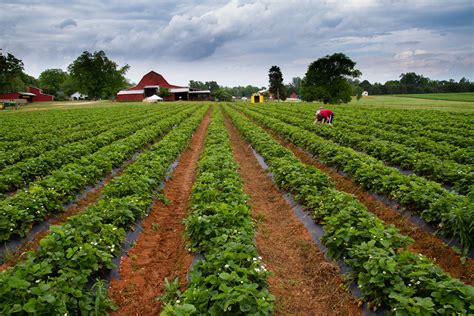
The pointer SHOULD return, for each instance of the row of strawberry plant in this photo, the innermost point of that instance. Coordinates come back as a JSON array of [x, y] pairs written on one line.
[[19, 127], [460, 177], [55, 279], [48, 195], [20, 174], [230, 280], [387, 275], [387, 119], [362, 126], [26, 128], [31, 148], [453, 214], [448, 122]]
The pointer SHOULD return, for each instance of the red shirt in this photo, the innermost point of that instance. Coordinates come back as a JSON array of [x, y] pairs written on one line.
[[325, 113]]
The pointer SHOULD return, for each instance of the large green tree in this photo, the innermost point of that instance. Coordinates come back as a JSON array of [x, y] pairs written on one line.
[[326, 79], [11, 73], [97, 76], [53, 81], [276, 88], [413, 83]]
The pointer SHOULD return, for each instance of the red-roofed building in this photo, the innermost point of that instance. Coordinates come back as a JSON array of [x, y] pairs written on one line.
[[151, 83], [39, 95], [33, 95]]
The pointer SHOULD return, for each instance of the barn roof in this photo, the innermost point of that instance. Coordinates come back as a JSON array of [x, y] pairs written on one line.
[[123, 92], [153, 79]]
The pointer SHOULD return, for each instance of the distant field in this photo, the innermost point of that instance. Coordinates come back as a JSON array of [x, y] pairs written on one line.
[[412, 103], [464, 96]]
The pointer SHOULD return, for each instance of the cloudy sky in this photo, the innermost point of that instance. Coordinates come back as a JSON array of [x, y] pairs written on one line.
[[236, 42]]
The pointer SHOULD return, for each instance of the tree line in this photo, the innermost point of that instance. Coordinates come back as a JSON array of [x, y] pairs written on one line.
[[91, 74], [411, 82], [223, 93], [333, 79]]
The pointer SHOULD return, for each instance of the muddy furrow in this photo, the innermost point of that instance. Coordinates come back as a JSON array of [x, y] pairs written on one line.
[[424, 242], [160, 250], [303, 281]]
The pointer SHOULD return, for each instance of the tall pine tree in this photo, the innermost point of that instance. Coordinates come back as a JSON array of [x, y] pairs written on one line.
[[277, 88]]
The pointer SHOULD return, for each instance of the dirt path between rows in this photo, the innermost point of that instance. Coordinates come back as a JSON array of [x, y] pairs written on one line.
[[160, 250], [303, 281], [425, 243]]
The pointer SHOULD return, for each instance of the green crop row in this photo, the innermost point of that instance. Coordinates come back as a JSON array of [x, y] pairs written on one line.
[[20, 211], [55, 279], [364, 126], [23, 173], [23, 126], [435, 125], [453, 214], [447, 172], [387, 275], [15, 151], [231, 279], [448, 123]]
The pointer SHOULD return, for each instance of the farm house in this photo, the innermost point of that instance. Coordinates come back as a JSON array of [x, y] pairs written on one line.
[[33, 95], [151, 83]]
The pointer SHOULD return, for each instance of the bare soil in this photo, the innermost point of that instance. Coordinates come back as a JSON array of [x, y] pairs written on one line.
[[160, 250], [303, 281], [424, 242]]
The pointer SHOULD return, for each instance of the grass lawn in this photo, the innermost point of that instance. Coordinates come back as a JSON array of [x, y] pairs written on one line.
[[415, 103], [461, 96]]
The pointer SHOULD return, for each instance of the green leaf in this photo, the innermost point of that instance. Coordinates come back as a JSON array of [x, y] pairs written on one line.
[[16, 308], [30, 307], [49, 298], [17, 283]]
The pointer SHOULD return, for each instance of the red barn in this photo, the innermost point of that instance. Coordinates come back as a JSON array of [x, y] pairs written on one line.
[[39, 95], [33, 95], [151, 84]]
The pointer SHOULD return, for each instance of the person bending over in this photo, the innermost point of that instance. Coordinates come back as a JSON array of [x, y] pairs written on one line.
[[324, 116]]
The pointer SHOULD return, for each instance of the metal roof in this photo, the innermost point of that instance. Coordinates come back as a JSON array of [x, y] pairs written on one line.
[[27, 93], [200, 91], [176, 90], [123, 92]]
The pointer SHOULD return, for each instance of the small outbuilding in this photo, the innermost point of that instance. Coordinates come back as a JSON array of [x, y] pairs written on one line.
[[78, 96], [256, 98], [365, 94]]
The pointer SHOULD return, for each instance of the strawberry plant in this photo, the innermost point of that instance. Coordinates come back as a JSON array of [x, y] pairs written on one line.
[[231, 279], [55, 279], [387, 275]]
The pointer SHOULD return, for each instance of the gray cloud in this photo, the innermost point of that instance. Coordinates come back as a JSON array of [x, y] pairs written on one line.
[[66, 23], [236, 42]]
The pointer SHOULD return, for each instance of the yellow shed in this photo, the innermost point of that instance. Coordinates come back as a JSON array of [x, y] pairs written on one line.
[[256, 98]]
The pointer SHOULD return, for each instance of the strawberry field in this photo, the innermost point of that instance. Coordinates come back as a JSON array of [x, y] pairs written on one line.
[[192, 208]]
